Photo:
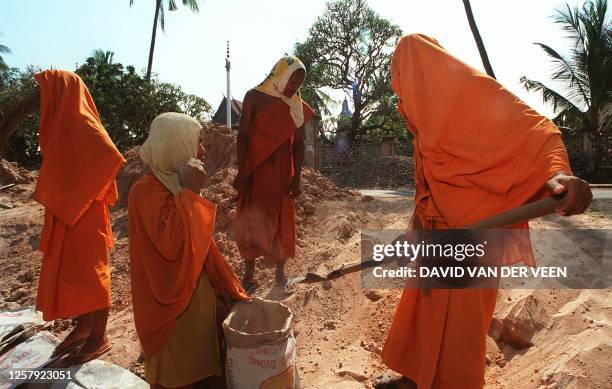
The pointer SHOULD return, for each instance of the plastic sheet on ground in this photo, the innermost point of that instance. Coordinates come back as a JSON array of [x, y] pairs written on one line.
[[33, 353], [11, 319], [99, 374]]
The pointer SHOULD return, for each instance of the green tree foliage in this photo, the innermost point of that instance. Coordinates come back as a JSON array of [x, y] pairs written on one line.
[[349, 48], [4, 68], [127, 103], [385, 120], [584, 100], [23, 145]]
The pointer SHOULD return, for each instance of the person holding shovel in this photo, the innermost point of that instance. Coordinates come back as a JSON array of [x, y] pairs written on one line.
[[478, 151], [270, 148], [76, 185], [181, 284]]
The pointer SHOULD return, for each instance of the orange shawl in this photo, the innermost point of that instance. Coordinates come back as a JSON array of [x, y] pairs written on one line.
[[80, 161], [271, 127], [75, 185], [478, 149], [171, 242]]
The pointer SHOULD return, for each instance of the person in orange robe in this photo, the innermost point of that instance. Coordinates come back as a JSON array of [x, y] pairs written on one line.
[[478, 151], [76, 184], [270, 149], [180, 280]]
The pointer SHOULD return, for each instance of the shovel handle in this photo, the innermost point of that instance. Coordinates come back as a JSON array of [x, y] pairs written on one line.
[[521, 214], [513, 216]]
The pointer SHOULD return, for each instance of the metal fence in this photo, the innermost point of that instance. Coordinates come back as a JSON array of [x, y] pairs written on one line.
[[368, 166], [390, 166], [603, 153]]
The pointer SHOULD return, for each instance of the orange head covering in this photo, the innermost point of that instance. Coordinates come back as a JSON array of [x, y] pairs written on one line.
[[478, 149], [79, 159]]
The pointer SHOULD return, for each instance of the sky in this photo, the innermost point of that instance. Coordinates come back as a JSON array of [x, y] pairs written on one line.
[[191, 53]]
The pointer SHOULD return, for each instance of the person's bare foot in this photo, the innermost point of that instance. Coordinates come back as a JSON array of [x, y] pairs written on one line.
[[393, 381], [77, 337]]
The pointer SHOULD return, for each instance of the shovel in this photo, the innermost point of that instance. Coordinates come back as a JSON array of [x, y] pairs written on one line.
[[516, 215]]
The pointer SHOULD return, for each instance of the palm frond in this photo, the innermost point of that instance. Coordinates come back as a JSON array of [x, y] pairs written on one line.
[[4, 49], [549, 95], [570, 22], [192, 4], [103, 56], [566, 71]]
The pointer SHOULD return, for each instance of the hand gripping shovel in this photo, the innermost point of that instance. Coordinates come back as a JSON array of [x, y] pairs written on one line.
[[520, 214]]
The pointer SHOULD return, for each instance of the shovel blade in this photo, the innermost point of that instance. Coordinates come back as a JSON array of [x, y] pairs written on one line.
[[310, 278]]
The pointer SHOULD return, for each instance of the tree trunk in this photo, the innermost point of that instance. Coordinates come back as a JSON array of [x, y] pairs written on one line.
[[478, 39], [355, 120], [14, 116], [589, 153], [153, 35]]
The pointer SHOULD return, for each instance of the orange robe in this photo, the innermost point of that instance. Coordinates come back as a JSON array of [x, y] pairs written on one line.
[[265, 215], [171, 243], [478, 151], [76, 184]]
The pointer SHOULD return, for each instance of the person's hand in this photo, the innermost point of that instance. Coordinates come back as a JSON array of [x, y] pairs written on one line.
[[579, 195], [193, 175], [294, 188], [239, 182]]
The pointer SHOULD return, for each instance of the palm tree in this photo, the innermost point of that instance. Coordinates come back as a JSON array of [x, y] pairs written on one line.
[[3, 50], [479, 43], [159, 15], [584, 76], [103, 57], [3, 65]]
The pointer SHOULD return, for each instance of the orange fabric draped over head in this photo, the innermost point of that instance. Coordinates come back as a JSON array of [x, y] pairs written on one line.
[[80, 161], [76, 184], [171, 236], [478, 151]]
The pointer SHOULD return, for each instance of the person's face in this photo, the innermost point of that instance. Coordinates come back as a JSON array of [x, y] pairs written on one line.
[[201, 150], [294, 83]]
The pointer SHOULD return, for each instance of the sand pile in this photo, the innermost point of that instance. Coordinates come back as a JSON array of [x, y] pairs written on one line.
[[540, 338], [11, 173], [220, 165]]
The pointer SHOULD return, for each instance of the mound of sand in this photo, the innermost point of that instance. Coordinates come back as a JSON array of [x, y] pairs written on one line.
[[539, 339], [11, 173], [220, 165]]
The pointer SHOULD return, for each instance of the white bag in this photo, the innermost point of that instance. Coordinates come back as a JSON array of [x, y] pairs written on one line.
[[33, 353], [99, 374], [11, 319], [260, 346]]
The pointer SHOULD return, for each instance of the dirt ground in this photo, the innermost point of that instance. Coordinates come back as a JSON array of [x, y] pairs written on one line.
[[340, 327]]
